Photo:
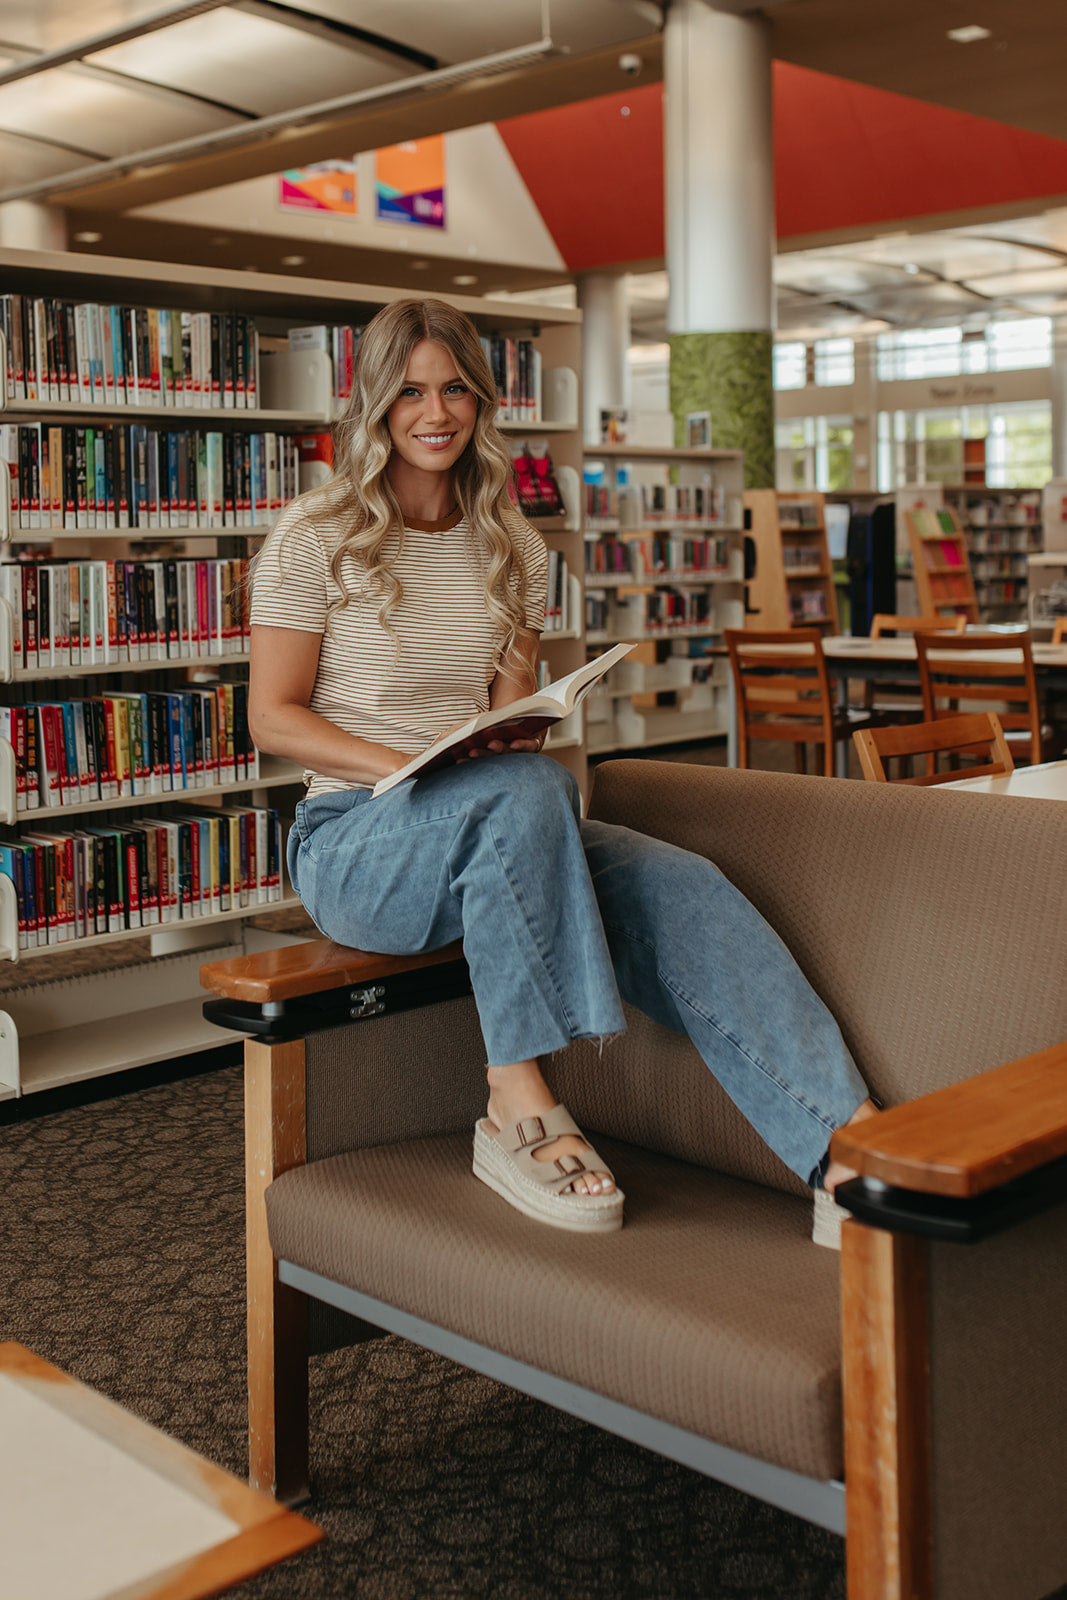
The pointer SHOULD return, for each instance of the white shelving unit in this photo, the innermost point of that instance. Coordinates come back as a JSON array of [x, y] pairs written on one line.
[[140, 1000], [672, 689]]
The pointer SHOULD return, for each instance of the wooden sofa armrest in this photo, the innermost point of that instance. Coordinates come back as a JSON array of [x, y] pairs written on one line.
[[309, 968], [970, 1137]]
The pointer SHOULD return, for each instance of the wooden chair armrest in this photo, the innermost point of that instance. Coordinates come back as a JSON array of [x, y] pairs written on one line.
[[310, 968], [969, 1137]]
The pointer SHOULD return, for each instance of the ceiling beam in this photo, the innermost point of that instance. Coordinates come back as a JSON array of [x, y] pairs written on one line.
[[45, 60], [553, 81]]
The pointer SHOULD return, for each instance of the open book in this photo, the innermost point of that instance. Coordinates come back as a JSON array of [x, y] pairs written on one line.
[[522, 719]]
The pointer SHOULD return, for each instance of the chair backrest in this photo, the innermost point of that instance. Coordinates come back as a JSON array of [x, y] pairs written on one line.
[[995, 670], [884, 622], [781, 689], [1059, 631], [978, 735]]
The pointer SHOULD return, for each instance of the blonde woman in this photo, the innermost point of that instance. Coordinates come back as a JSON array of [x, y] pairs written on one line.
[[399, 600]]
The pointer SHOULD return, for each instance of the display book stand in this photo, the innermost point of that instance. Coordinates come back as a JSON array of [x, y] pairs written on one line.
[[793, 584], [112, 1001], [664, 569], [940, 564], [1003, 529]]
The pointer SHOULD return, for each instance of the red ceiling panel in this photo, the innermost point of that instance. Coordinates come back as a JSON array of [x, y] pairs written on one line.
[[846, 156]]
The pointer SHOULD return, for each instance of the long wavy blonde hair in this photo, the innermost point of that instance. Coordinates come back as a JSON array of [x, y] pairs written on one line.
[[360, 492]]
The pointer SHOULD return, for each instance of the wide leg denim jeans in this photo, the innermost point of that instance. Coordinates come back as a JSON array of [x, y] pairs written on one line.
[[560, 916]]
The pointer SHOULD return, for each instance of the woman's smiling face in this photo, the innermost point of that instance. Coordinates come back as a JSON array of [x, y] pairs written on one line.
[[432, 418]]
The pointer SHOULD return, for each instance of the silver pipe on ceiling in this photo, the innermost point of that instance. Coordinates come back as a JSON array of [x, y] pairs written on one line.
[[45, 60]]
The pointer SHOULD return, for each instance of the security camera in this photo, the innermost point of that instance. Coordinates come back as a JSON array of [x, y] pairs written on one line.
[[631, 65]]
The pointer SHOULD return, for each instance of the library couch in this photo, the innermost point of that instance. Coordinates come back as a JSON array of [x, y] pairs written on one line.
[[923, 1403]]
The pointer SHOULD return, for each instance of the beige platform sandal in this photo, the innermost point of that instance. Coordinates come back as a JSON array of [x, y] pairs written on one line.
[[505, 1159]]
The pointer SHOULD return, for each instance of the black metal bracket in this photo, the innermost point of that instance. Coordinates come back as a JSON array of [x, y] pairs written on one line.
[[951, 1220], [280, 1020]]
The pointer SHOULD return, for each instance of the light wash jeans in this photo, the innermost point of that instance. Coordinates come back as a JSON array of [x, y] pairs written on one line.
[[559, 916]]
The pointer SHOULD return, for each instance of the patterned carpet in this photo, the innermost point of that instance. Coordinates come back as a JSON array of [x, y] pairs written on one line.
[[123, 1264]]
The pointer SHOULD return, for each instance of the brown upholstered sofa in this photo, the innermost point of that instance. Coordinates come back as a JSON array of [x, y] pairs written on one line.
[[934, 925]]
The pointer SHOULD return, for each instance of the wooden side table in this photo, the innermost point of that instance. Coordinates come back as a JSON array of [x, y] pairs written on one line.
[[97, 1505]]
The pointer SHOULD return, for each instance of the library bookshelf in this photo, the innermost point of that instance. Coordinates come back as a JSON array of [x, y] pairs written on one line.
[[793, 584], [664, 570], [1002, 529], [940, 564], [104, 1001]]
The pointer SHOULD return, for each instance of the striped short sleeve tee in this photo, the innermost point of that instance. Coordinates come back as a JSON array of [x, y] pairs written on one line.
[[437, 671]]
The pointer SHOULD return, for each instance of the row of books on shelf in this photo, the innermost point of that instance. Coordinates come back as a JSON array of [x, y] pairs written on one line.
[[798, 514], [1023, 539], [536, 486], [1023, 510], [810, 606], [799, 555], [125, 876], [91, 613], [119, 746], [128, 475], [558, 598], [643, 558], [61, 351], [514, 363], [651, 611]]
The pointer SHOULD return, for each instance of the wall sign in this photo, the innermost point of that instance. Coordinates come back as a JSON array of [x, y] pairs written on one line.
[[324, 186], [410, 184]]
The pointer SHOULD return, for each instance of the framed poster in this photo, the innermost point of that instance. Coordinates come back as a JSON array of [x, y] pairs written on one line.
[[698, 430], [324, 186], [410, 182]]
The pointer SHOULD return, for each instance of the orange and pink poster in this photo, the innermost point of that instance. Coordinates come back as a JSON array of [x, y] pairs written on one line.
[[411, 182], [323, 186]]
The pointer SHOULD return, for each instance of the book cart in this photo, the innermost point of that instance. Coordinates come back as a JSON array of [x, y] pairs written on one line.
[[793, 585], [100, 1002], [664, 570]]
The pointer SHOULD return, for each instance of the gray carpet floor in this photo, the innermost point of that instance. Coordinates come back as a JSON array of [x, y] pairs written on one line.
[[123, 1265]]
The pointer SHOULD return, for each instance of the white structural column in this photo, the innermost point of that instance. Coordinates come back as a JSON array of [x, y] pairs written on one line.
[[1058, 377], [719, 186], [30, 225], [602, 300]]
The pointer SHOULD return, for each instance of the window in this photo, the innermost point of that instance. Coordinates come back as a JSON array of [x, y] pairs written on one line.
[[814, 453], [1025, 342], [835, 362], [790, 366], [928, 446], [919, 353]]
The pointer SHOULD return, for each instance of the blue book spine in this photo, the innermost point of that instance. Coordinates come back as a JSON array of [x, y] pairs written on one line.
[[12, 865], [174, 489], [188, 734], [177, 759], [115, 313], [70, 746]]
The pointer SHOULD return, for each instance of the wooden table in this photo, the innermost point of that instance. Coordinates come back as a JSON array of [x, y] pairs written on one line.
[[1045, 782], [895, 661], [97, 1505]]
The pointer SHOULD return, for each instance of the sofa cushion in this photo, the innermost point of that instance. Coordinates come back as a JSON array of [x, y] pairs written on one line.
[[932, 923], [710, 1309]]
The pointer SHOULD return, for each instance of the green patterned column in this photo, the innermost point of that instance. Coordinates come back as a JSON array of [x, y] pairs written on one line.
[[728, 374]]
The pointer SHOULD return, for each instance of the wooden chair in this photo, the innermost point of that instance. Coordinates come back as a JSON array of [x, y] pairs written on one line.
[[978, 735], [904, 702], [782, 691], [961, 676], [884, 622]]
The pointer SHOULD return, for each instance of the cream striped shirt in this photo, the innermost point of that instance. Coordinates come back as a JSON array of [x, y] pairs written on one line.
[[444, 668]]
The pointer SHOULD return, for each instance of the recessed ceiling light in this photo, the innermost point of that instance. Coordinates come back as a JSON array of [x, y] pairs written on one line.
[[909, 266], [88, 237], [969, 35], [464, 278], [293, 261], [419, 266]]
